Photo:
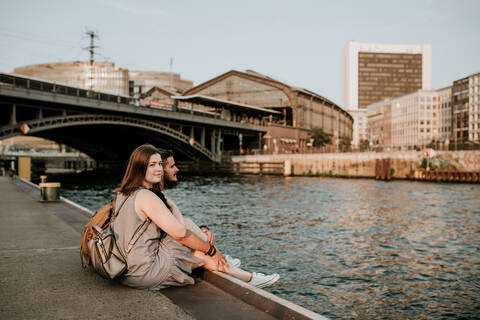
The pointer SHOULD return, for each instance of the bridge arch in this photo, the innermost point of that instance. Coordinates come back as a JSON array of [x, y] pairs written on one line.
[[41, 127]]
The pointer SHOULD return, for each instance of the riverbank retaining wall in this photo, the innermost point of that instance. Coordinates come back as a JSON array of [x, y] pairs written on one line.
[[362, 164]]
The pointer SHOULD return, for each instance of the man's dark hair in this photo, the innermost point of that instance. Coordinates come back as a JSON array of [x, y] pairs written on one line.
[[165, 154]]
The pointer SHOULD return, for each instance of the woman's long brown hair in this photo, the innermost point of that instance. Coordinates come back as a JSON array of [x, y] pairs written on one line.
[[136, 169]]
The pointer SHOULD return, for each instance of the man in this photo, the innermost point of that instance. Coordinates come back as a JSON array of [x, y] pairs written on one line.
[[170, 180], [169, 168]]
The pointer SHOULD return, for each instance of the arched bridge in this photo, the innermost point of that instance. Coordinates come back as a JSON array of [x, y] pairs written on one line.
[[108, 127]]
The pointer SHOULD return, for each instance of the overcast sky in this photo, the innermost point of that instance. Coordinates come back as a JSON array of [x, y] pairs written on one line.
[[297, 42]]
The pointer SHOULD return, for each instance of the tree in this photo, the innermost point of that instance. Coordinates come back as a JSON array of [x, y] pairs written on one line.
[[344, 144], [320, 138], [364, 144]]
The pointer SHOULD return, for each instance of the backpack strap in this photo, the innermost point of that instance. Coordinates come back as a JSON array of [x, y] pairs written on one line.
[[139, 231], [137, 234], [115, 213]]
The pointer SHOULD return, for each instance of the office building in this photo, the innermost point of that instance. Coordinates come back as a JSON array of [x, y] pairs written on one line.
[[359, 126], [411, 121], [373, 72], [466, 111]]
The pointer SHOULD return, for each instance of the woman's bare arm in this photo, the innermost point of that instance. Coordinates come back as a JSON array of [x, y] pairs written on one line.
[[175, 211], [147, 204]]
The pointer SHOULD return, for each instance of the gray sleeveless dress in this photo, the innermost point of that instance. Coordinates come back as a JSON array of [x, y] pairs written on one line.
[[152, 264]]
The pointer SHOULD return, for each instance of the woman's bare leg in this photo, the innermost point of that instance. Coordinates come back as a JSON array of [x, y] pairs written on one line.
[[235, 272]]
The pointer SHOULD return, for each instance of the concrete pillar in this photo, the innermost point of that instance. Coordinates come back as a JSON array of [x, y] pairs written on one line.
[[213, 140], [192, 132], [13, 114], [39, 113], [202, 137], [219, 139], [240, 141]]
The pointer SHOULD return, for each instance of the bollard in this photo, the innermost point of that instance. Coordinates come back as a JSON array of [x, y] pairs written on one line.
[[43, 179], [287, 168], [50, 191]]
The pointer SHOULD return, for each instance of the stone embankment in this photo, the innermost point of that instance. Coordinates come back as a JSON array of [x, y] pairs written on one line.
[[354, 165]]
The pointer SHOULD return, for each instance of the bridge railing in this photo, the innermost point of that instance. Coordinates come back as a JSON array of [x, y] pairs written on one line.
[[46, 86], [52, 87]]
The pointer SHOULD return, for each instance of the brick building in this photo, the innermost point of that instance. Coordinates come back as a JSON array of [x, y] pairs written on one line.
[[300, 108]]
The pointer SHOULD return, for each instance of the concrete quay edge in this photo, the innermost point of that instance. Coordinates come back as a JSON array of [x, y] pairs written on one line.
[[271, 305]]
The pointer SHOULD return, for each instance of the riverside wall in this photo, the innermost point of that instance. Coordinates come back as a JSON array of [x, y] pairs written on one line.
[[363, 164]]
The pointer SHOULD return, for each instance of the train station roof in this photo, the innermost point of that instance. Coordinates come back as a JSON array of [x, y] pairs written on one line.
[[219, 103]]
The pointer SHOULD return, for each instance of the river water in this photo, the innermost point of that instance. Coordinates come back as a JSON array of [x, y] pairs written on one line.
[[344, 248]]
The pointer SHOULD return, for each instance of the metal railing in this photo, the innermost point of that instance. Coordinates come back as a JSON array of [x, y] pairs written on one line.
[[45, 86], [52, 87]]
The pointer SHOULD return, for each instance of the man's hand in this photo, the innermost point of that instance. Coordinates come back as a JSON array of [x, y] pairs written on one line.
[[220, 262]]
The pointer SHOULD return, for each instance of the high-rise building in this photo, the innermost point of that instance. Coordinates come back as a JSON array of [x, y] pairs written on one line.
[[466, 111], [373, 72]]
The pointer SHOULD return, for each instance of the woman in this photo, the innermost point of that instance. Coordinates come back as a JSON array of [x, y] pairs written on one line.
[[158, 261]]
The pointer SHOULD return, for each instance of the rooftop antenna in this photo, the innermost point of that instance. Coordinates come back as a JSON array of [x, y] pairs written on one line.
[[171, 74], [91, 49]]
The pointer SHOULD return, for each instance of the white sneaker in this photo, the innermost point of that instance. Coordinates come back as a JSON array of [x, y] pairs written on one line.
[[234, 262], [260, 280]]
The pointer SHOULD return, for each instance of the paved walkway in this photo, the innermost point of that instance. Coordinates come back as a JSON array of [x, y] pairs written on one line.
[[41, 276]]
